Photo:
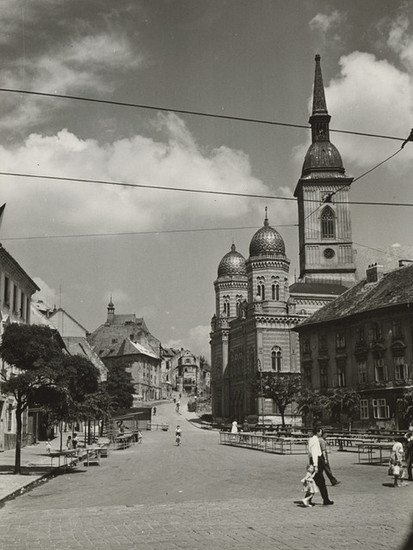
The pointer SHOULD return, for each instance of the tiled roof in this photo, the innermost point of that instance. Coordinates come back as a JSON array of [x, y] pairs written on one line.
[[318, 288], [392, 289]]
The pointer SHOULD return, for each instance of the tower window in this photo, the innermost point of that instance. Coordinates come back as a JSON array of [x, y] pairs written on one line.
[[276, 292], [276, 359], [327, 223]]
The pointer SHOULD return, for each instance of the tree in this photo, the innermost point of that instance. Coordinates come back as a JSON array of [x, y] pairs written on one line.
[[344, 401], [311, 404], [77, 383], [36, 354], [407, 406], [119, 386], [282, 388]]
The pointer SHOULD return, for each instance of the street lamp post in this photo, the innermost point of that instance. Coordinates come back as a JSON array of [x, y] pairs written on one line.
[[262, 397]]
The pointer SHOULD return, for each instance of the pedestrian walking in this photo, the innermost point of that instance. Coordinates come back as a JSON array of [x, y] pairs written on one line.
[[324, 454], [48, 447], [69, 443], [409, 451], [75, 441], [234, 429], [178, 435], [316, 459], [154, 411], [140, 437], [178, 404], [310, 486], [396, 463]]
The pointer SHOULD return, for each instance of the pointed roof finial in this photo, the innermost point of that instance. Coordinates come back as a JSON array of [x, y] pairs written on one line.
[[266, 217], [319, 99]]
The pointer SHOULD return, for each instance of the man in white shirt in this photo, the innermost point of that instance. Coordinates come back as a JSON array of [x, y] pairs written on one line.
[[315, 455]]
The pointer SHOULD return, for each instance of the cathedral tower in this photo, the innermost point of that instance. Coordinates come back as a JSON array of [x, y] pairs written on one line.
[[326, 251]]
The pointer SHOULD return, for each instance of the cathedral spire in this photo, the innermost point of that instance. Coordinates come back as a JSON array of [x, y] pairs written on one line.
[[319, 98], [320, 119]]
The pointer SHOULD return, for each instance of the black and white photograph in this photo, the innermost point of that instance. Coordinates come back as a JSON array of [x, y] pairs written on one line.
[[206, 274]]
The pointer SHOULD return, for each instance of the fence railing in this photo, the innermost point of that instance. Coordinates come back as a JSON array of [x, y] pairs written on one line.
[[266, 443]]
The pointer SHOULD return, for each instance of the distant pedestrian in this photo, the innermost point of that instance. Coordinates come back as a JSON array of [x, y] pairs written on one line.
[[178, 404], [75, 441], [154, 411], [48, 447], [178, 435], [324, 454], [316, 459], [310, 486], [409, 451], [396, 463], [140, 437], [69, 443], [234, 429]]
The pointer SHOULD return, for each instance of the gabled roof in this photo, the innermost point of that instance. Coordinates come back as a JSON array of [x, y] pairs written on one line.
[[78, 345], [127, 347], [11, 262], [394, 288], [61, 310]]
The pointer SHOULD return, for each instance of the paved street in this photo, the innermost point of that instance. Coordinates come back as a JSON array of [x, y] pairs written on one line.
[[204, 495]]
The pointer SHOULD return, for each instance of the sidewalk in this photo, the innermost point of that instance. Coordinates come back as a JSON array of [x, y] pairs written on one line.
[[36, 465]]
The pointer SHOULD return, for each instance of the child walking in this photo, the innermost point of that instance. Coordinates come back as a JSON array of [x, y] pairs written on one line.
[[310, 486]]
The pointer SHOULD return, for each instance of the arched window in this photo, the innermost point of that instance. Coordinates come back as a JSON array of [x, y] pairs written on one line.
[[261, 287], [276, 359], [327, 223], [276, 292]]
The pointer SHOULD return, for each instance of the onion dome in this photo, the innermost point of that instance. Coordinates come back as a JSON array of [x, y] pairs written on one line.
[[233, 263], [267, 242], [322, 156]]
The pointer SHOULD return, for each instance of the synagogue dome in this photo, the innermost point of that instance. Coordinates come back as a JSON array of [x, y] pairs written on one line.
[[267, 242], [233, 263]]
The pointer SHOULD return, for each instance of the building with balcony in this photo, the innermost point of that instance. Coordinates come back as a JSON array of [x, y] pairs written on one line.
[[363, 341]]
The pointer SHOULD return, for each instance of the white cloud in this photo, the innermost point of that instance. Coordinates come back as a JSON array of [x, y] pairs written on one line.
[[197, 341], [86, 63], [324, 23], [373, 96], [401, 41], [50, 296], [62, 207]]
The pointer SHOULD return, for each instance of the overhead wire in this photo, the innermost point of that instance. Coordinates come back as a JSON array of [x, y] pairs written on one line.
[[192, 190], [187, 112]]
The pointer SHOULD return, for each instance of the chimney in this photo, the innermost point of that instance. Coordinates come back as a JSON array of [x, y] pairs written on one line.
[[374, 273], [403, 263]]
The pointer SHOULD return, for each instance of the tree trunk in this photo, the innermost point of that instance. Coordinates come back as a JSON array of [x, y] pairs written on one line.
[[282, 412], [17, 459]]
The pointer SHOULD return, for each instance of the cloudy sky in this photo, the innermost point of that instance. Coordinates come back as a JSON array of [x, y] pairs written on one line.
[[157, 251]]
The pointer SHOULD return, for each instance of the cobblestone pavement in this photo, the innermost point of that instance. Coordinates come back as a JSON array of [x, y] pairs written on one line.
[[205, 495]]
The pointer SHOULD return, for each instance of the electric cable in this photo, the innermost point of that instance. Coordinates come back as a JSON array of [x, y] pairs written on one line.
[[191, 190], [188, 112]]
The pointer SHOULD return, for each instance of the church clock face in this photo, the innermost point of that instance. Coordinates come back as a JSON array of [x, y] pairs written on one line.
[[329, 253]]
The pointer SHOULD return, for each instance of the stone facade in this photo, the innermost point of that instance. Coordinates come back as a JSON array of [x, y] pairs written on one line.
[[254, 332]]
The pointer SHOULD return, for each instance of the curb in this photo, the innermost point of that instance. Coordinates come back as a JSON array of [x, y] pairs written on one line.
[[26, 488]]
